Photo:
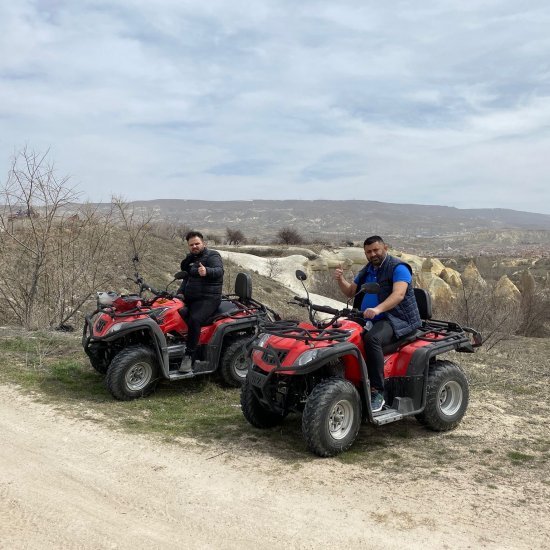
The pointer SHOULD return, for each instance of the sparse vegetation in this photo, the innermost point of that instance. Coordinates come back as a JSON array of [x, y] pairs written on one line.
[[53, 367], [53, 261], [234, 236], [289, 236]]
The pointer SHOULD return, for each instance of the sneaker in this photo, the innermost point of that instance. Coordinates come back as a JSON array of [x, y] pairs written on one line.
[[186, 365], [376, 401]]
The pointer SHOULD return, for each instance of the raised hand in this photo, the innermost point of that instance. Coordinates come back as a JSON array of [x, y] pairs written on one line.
[[339, 273], [202, 270]]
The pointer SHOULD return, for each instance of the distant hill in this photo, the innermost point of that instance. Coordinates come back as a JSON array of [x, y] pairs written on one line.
[[340, 219]]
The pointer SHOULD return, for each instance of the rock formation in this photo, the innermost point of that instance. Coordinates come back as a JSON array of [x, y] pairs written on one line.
[[472, 278], [507, 290]]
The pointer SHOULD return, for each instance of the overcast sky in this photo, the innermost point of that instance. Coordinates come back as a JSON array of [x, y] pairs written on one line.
[[424, 102]]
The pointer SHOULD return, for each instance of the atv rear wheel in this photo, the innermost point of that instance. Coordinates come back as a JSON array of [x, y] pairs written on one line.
[[257, 414], [331, 417], [133, 373], [234, 363], [447, 397]]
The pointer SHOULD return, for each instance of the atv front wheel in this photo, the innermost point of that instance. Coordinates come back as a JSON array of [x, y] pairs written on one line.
[[133, 373], [331, 417], [447, 397], [98, 360], [234, 363], [257, 414]]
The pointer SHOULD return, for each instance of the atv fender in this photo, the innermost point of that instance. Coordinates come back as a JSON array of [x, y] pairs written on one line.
[[214, 347], [160, 347], [347, 348], [325, 355]]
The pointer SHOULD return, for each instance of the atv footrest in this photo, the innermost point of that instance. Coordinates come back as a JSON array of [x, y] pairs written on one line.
[[176, 375], [202, 367], [386, 417]]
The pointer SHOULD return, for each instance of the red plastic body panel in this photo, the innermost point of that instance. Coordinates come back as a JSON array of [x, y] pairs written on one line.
[[208, 331], [170, 321], [396, 364]]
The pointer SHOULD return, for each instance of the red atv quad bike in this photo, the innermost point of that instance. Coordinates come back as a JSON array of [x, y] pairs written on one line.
[[318, 369], [136, 341]]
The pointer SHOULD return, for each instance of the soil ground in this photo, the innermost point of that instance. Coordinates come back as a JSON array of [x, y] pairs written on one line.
[[69, 480]]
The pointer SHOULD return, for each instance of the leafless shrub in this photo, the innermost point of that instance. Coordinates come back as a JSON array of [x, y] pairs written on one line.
[[289, 236], [274, 268], [169, 230], [54, 260], [534, 312], [496, 317], [323, 283], [234, 236], [212, 238], [137, 226]]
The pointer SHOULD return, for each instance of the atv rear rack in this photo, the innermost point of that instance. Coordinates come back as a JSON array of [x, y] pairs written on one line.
[[445, 330]]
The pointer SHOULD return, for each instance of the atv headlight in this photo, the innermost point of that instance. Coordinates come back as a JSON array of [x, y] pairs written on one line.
[[307, 356], [115, 328], [262, 340]]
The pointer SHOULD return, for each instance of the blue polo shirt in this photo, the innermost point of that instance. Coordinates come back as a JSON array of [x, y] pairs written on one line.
[[400, 274]]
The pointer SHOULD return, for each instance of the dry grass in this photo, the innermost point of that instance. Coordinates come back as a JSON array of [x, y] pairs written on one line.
[[505, 433]]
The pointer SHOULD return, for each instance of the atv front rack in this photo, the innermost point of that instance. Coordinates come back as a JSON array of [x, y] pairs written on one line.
[[291, 329]]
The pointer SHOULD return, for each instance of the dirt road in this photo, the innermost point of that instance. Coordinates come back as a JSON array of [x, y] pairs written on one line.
[[67, 483]]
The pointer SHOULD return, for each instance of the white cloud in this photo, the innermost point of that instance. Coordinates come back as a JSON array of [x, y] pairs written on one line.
[[400, 102]]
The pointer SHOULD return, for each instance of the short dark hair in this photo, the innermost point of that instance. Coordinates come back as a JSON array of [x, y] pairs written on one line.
[[192, 234], [372, 240]]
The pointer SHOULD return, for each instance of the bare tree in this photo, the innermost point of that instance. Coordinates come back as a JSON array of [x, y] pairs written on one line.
[[534, 311], [137, 226], [289, 236], [323, 283], [52, 259], [274, 268], [496, 317], [234, 236]]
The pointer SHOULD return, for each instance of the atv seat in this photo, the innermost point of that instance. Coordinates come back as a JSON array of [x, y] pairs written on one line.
[[394, 346], [424, 303], [243, 292], [226, 306], [243, 287]]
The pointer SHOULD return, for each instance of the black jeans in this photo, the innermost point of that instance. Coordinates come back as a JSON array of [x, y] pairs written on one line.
[[195, 313], [378, 336]]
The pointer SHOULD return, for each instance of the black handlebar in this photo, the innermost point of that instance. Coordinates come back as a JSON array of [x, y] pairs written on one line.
[[325, 309], [158, 293], [352, 313]]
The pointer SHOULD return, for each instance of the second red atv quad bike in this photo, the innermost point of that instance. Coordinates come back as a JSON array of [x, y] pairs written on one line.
[[318, 369], [137, 341]]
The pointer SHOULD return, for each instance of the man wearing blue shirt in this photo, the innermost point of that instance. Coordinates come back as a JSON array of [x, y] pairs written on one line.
[[393, 310]]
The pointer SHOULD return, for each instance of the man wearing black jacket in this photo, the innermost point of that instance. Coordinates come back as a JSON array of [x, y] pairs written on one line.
[[202, 289]]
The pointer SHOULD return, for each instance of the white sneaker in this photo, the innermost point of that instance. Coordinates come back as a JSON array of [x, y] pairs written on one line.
[[186, 365]]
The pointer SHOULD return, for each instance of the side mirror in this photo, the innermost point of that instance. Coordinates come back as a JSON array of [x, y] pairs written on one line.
[[370, 288], [180, 275], [300, 275]]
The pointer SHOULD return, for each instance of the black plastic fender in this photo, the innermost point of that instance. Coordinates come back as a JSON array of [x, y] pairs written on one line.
[[326, 355], [157, 337], [214, 347]]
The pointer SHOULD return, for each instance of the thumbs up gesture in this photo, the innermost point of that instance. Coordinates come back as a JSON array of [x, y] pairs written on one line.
[[202, 270]]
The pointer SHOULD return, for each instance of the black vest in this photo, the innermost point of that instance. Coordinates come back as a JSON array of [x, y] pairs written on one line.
[[404, 317]]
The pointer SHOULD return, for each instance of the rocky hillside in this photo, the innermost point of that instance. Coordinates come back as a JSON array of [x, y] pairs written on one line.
[[335, 221]]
